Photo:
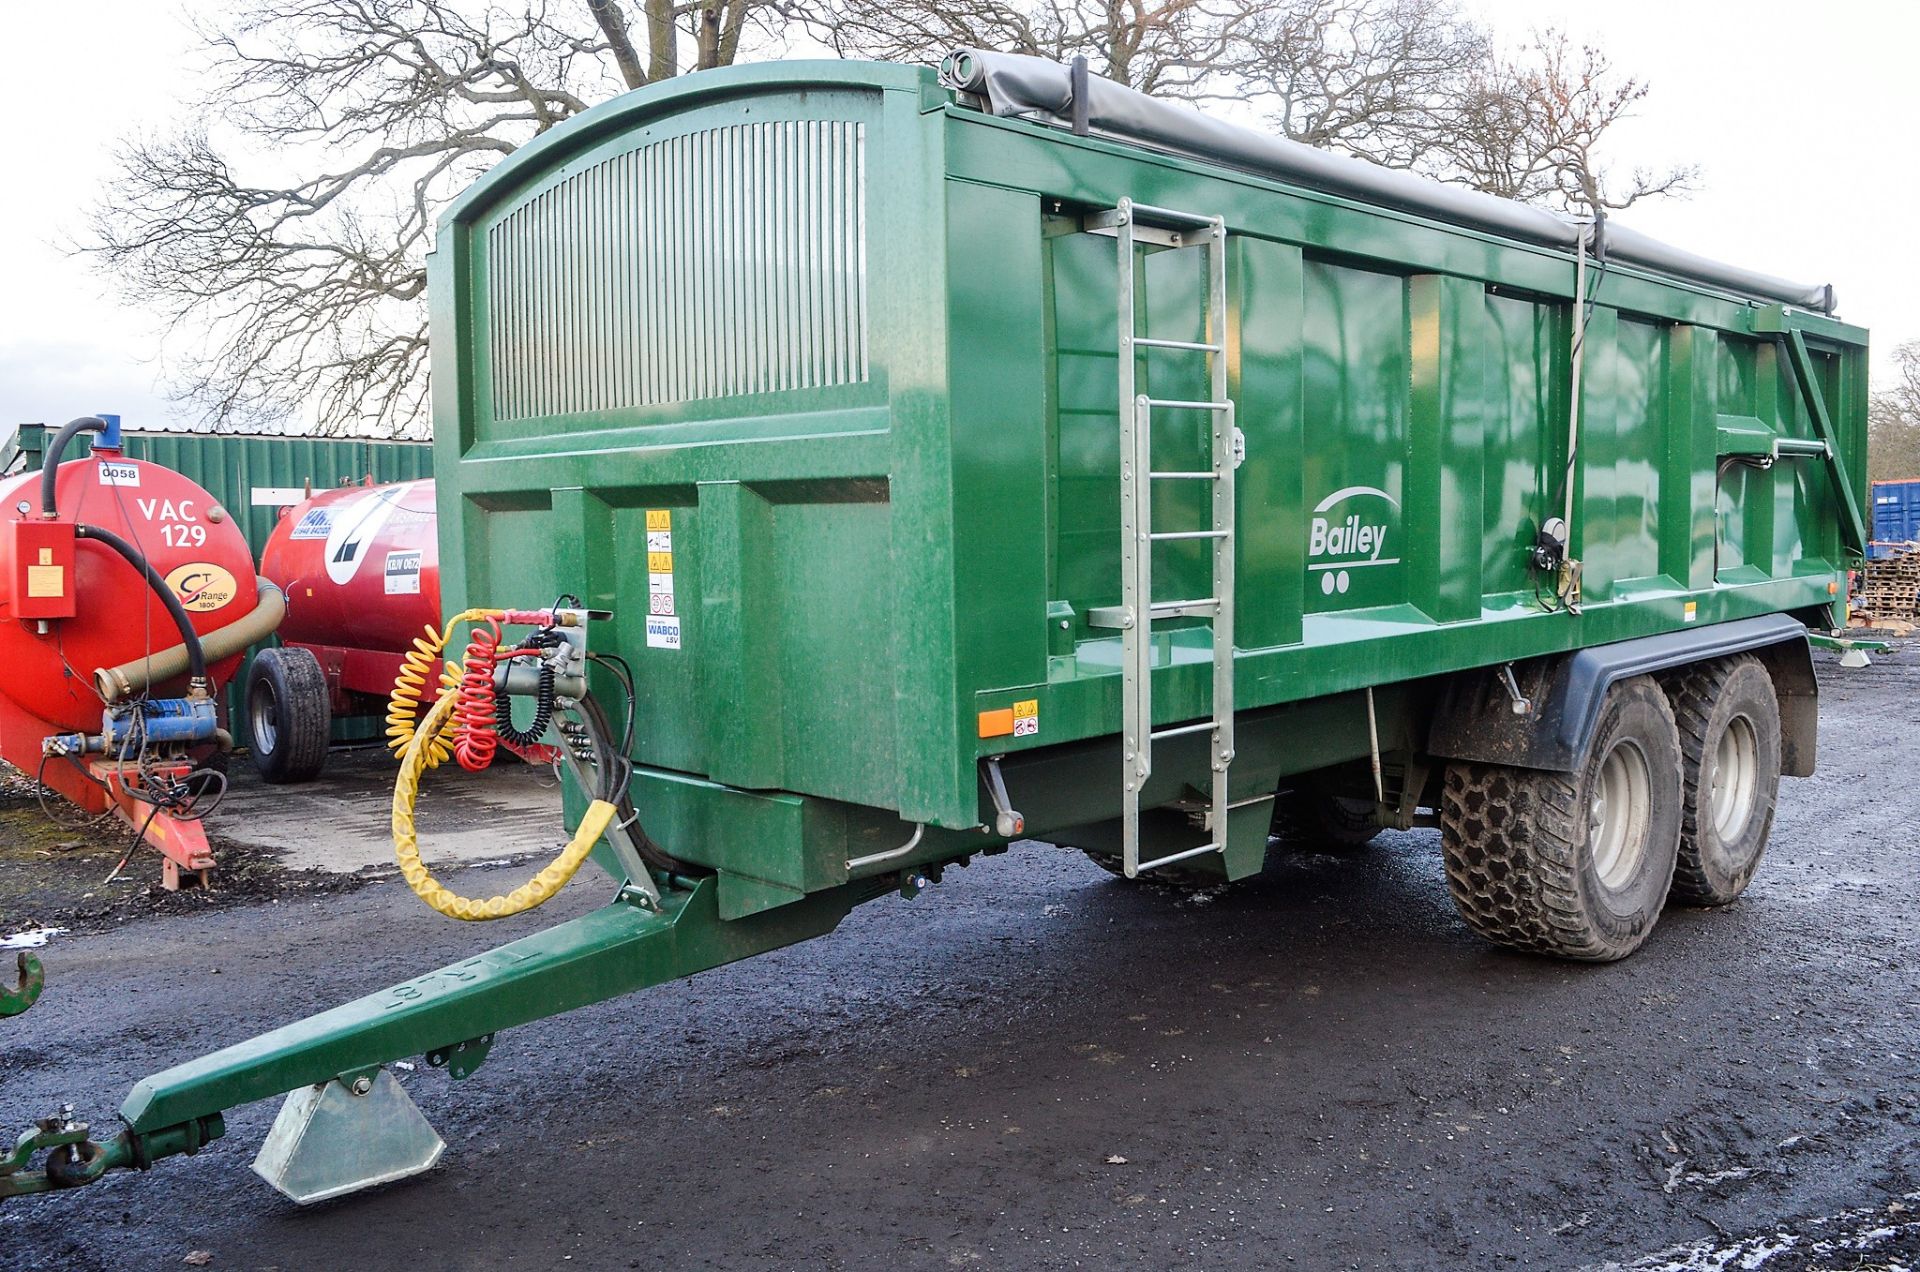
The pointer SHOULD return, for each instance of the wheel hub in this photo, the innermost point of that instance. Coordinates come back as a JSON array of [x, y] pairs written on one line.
[[1736, 779], [1618, 813]]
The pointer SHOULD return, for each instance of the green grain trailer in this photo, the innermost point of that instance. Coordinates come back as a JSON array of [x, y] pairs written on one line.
[[1009, 455]]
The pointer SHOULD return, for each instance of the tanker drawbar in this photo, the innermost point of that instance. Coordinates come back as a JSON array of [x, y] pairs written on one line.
[[921, 464]]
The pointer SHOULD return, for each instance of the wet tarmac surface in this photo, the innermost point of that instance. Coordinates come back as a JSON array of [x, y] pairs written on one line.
[[1036, 1065]]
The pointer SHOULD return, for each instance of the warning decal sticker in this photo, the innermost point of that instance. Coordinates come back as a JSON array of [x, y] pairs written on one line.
[[1026, 718], [660, 573]]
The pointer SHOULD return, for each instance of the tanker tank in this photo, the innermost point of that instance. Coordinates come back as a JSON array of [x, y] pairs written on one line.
[[124, 588]]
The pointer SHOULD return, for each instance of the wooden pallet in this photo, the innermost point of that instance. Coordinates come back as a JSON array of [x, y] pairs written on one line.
[[1890, 587]]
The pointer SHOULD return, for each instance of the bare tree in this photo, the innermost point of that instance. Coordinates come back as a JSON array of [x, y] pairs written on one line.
[[1381, 79], [1175, 48], [1531, 126], [1893, 420], [282, 233]]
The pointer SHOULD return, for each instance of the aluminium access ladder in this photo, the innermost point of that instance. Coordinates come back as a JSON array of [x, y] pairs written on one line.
[[1133, 224]]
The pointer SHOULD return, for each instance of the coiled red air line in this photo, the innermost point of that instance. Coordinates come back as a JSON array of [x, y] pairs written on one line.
[[475, 721]]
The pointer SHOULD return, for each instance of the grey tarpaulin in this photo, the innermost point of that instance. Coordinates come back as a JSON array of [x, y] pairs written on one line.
[[1012, 84]]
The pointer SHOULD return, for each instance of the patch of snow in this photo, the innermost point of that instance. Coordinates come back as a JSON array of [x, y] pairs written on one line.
[[31, 939]]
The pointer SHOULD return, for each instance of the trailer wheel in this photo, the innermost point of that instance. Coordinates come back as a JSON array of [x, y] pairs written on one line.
[[1729, 719], [1310, 820], [1575, 865], [289, 715]]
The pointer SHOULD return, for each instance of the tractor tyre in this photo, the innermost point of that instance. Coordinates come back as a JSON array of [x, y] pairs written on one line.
[[1729, 720], [1574, 865]]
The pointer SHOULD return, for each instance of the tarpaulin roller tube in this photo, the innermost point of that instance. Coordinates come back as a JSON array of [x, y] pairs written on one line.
[[1015, 84]]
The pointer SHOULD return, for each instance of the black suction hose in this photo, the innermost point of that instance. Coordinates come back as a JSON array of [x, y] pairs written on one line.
[[50, 468], [196, 657]]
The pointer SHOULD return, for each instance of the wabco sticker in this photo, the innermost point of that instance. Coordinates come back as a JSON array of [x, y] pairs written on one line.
[[355, 528], [663, 632], [202, 586], [1343, 539], [112, 474], [315, 523], [1026, 718], [403, 573]]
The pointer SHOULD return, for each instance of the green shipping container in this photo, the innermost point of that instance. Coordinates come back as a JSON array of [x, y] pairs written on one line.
[[253, 476]]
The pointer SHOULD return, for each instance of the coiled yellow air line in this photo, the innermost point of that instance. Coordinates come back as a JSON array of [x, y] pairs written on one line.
[[404, 702], [415, 759]]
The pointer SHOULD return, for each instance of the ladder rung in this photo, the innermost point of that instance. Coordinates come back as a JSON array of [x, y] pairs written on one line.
[[1170, 214], [1179, 476], [1160, 535], [1153, 342], [1178, 404], [1185, 609], [1181, 730], [1170, 858]]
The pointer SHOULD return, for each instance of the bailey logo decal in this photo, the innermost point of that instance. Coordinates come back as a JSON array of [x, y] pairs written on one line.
[[1349, 531]]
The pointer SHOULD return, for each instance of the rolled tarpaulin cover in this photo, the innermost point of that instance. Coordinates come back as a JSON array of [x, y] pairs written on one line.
[[1016, 85]]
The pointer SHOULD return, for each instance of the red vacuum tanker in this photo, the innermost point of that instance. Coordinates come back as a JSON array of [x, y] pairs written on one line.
[[360, 566], [127, 596]]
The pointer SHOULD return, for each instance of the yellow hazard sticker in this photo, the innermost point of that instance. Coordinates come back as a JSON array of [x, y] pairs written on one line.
[[1026, 718], [660, 563], [659, 519], [1692, 613]]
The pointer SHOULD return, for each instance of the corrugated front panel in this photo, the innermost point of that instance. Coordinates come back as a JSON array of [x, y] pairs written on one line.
[[714, 264]]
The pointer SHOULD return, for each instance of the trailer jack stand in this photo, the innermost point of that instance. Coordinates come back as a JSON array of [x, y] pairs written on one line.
[[343, 1135]]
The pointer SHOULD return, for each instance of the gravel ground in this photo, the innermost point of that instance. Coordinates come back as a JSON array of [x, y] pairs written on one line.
[[1034, 1065]]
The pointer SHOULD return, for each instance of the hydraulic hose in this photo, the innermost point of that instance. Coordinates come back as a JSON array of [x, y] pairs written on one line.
[[135, 675], [50, 468], [406, 845], [196, 655]]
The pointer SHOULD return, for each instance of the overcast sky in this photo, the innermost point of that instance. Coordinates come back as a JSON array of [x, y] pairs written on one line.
[[1802, 117]]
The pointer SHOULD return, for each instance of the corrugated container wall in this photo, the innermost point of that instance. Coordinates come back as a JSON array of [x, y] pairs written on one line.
[[1896, 515], [254, 477]]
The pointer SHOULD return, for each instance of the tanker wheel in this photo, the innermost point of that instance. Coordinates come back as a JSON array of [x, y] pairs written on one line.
[[1729, 718], [1311, 820], [1575, 865], [289, 714]]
